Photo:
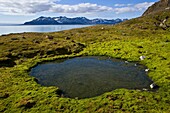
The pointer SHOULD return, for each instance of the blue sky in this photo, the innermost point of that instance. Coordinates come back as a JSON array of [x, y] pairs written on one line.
[[19, 11]]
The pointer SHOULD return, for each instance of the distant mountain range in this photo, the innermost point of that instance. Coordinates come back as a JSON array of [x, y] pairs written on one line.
[[62, 20]]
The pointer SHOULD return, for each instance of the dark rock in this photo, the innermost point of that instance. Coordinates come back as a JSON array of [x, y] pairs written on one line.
[[5, 95], [81, 45], [35, 79], [27, 103], [49, 37], [124, 34], [117, 49], [167, 40], [59, 92], [7, 62], [23, 37], [139, 46], [14, 39], [154, 86], [67, 38], [168, 78], [3, 35], [36, 41], [63, 51], [140, 52], [73, 41], [111, 97], [49, 52], [29, 54], [163, 58]]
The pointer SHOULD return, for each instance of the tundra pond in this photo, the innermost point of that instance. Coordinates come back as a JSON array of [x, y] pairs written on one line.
[[90, 76]]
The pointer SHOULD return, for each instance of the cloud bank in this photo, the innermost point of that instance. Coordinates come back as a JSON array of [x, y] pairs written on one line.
[[124, 8], [23, 7], [36, 6]]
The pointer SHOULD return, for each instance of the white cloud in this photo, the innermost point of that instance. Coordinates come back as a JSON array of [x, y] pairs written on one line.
[[122, 5], [79, 8], [29, 7], [119, 5], [143, 6], [125, 8], [22, 7]]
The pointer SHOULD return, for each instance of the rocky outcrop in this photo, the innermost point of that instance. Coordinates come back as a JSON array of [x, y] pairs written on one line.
[[7, 62], [158, 6]]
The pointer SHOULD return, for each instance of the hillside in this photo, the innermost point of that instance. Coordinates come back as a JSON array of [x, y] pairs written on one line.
[[162, 5], [144, 36]]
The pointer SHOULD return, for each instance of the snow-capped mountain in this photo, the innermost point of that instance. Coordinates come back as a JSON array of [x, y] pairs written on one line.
[[62, 20]]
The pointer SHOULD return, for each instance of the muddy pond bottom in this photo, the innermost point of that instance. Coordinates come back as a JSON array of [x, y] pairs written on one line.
[[86, 77]]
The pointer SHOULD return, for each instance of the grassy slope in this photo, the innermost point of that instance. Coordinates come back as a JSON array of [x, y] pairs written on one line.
[[19, 92]]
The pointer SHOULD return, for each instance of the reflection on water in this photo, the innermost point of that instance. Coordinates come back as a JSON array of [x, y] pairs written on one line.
[[6, 29], [85, 77]]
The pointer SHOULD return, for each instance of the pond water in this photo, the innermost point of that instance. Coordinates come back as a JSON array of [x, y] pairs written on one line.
[[86, 77]]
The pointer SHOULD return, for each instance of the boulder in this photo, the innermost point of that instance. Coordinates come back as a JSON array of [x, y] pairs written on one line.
[[142, 57], [153, 86]]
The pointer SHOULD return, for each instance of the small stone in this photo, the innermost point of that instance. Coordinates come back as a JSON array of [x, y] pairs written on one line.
[[23, 37], [139, 46], [35, 79], [49, 37], [14, 38], [36, 41], [67, 38], [126, 62], [124, 34], [142, 57], [3, 35], [76, 98], [167, 8], [146, 70], [153, 86], [144, 89]]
